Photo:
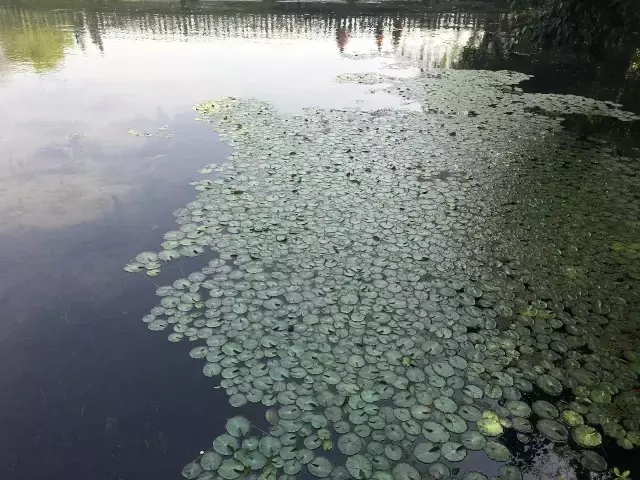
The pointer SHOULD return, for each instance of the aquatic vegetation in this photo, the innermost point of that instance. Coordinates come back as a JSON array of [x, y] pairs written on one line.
[[586, 436], [621, 475], [160, 132], [592, 461], [623, 409], [391, 285], [489, 425]]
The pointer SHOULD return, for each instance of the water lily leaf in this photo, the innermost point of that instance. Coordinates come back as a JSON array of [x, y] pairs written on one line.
[[230, 469], [518, 408], [545, 409], [596, 463], [572, 418], [333, 413], [292, 467], [288, 452], [586, 436], [238, 426], [350, 444], [359, 467], [250, 443], [411, 427], [404, 471], [318, 421], [393, 451], [420, 412], [473, 440], [453, 451], [305, 455], [496, 451], [472, 391], [342, 426], [358, 417], [394, 432], [443, 369], [549, 384], [510, 472], [289, 438], [207, 476], [454, 423], [254, 459], [489, 424], [320, 467], [370, 396], [470, 413], [289, 412], [521, 424], [435, 432], [210, 461], [427, 452], [225, 444], [191, 470], [475, 476], [439, 471], [445, 404], [404, 399]]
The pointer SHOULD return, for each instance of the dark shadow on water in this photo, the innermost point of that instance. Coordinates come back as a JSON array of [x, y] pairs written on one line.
[[88, 391], [624, 136], [612, 75]]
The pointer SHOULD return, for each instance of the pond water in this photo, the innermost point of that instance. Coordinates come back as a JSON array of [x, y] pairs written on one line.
[[386, 261]]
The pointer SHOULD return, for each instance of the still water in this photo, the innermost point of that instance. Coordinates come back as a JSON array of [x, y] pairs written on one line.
[[99, 145]]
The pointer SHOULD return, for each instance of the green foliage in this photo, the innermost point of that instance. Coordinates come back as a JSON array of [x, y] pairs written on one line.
[[621, 475], [580, 24]]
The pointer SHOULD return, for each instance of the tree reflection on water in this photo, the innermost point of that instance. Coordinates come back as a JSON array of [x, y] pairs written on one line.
[[32, 39]]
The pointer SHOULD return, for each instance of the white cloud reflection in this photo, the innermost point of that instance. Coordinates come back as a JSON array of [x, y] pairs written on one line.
[[125, 67]]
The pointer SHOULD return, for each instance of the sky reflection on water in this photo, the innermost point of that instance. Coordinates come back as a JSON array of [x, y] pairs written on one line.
[[90, 393]]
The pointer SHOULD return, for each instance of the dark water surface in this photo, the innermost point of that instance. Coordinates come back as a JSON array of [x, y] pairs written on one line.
[[87, 392]]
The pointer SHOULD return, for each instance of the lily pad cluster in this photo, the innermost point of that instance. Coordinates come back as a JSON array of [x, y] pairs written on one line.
[[394, 286]]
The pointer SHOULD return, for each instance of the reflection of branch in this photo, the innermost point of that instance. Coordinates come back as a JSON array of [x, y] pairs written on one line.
[[4, 61], [631, 79], [483, 55], [35, 38], [540, 458]]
